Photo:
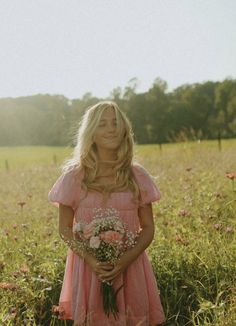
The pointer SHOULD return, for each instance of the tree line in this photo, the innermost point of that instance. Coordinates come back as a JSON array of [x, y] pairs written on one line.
[[192, 111]]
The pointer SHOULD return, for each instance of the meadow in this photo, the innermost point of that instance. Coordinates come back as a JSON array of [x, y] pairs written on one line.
[[192, 254]]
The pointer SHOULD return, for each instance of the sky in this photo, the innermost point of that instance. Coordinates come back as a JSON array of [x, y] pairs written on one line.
[[71, 47]]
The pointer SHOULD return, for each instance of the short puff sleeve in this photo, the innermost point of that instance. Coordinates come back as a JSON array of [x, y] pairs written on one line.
[[66, 190], [149, 192]]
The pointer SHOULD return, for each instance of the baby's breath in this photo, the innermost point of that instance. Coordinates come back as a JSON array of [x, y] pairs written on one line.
[[105, 221]]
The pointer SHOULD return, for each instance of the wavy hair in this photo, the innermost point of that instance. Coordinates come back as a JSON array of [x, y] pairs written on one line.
[[85, 157]]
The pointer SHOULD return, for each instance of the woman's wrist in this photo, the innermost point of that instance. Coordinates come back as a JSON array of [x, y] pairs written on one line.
[[128, 257], [87, 257]]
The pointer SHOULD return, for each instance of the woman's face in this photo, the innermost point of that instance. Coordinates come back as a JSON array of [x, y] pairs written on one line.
[[106, 135]]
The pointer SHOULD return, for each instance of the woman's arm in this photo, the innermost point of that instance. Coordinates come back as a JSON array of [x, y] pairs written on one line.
[[66, 216], [144, 240]]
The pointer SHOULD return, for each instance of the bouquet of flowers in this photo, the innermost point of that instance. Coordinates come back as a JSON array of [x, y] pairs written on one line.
[[106, 238]]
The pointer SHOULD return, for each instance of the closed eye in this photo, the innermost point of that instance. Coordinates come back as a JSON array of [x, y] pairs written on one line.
[[104, 124]]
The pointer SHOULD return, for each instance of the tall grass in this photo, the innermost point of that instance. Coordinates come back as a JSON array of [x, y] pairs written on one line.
[[192, 254]]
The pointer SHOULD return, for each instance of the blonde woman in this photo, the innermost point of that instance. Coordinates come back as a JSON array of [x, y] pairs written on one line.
[[101, 173]]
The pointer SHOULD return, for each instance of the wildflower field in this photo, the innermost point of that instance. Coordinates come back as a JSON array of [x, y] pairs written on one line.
[[192, 254]]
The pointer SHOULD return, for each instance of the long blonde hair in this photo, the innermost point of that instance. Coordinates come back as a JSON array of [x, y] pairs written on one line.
[[85, 155]]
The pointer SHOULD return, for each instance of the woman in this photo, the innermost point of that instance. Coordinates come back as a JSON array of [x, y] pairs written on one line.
[[100, 174]]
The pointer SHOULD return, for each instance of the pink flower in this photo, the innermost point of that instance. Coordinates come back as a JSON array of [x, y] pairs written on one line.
[[94, 242], [178, 238], [9, 286], [229, 229], [183, 212], [231, 176], [110, 236], [88, 231], [58, 310], [24, 268], [217, 226], [55, 309]]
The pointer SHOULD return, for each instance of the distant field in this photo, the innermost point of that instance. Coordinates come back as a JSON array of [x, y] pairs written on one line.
[[28, 156], [193, 253]]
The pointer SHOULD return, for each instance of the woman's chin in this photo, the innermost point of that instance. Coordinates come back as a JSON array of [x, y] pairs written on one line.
[[111, 147]]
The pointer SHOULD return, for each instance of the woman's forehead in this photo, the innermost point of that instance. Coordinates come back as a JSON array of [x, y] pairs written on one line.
[[108, 113]]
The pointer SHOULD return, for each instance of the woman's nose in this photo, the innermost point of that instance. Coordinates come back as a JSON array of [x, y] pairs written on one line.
[[111, 128]]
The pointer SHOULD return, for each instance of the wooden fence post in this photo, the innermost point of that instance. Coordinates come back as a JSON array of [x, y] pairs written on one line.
[[219, 141], [7, 166], [55, 159]]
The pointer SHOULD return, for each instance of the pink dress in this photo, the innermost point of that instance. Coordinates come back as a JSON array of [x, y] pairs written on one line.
[[80, 299]]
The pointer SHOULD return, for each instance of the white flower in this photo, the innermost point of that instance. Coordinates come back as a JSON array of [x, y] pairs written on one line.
[[94, 242], [77, 227]]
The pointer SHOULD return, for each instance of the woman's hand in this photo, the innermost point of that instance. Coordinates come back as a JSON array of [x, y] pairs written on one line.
[[98, 267], [120, 266], [145, 237]]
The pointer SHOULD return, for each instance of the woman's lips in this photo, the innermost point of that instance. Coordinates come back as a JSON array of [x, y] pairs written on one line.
[[110, 137]]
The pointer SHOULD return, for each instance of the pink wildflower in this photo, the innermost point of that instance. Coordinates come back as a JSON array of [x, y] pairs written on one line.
[[217, 226], [231, 176], [178, 238], [183, 212], [16, 274], [9, 286], [229, 229], [24, 268], [58, 309], [110, 236]]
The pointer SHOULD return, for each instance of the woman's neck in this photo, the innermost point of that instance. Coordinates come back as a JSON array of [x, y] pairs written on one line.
[[106, 155]]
